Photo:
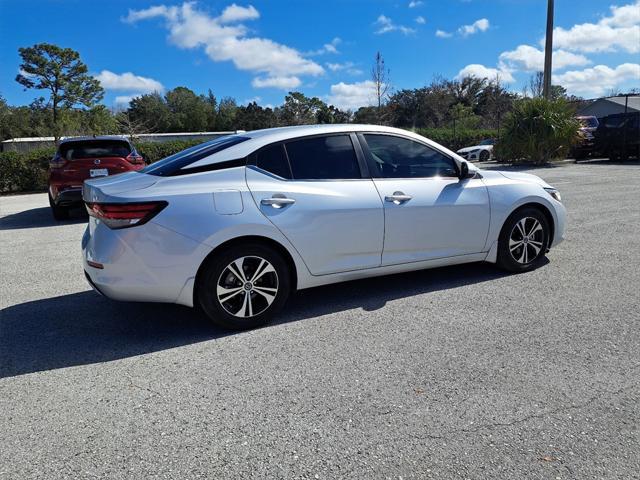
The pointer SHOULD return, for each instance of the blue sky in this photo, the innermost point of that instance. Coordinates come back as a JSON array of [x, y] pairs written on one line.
[[263, 48]]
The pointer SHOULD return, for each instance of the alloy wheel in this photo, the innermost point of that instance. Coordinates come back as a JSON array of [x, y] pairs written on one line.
[[526, 240], [247, 286]]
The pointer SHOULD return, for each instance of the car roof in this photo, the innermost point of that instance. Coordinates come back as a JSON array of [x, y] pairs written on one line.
[[284, 133], [94, 137]]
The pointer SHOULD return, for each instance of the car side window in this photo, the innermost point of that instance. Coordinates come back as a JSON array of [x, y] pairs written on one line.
[[397, 157], [274, 160], [323, 158]]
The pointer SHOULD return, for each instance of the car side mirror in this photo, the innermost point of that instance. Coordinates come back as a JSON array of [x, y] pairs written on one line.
[[464, 171]]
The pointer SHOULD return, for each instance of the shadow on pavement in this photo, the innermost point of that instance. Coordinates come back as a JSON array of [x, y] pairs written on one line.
[[40, 217], [84, 328]]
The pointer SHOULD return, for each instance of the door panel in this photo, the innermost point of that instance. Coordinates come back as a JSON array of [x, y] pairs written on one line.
[[336, 226], [444, 217]]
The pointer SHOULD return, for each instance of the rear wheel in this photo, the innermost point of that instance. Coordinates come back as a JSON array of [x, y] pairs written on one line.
[[484, 156], [58, 212], [244, 286], [523, 241]]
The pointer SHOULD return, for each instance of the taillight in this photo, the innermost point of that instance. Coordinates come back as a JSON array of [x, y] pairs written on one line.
[[135, 159], [123, 215], [57, 162]]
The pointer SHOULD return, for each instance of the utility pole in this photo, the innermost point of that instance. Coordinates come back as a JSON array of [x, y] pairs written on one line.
[[548, 52]]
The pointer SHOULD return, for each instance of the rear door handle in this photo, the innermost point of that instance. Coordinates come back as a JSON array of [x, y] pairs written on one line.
[[277, 201], [397, 198]]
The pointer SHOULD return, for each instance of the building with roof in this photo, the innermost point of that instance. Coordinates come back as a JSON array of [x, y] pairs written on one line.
[[610, 105]]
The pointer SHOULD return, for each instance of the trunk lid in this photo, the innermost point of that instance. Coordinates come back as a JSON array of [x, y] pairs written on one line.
[[106, 189]]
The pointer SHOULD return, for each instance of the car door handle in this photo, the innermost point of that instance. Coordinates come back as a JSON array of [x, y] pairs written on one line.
[[277, 201], [397, 198]]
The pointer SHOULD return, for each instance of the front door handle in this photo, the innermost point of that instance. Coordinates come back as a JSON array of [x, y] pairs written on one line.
[[397, 198], [277, 201]]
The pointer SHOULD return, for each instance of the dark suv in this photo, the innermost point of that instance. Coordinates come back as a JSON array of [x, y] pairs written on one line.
[[618, 136], [78, 159], [586, 144]]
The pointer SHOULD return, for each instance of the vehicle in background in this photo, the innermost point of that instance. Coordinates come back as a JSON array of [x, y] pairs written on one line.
[[618, 136], [586, 144], [483, 152], [237, 224], [78, 159]]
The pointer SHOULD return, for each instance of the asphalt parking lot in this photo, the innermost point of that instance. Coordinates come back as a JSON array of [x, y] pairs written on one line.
[[461, 372]]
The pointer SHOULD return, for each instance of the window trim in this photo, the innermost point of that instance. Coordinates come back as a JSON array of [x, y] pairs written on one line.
[[357, 148], [371, 161]]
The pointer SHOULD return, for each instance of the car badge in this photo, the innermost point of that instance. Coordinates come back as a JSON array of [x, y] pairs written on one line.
[[97, 161]]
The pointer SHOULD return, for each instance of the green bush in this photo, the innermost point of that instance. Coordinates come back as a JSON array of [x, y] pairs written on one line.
[[538, 131], [24, 172], [154, 151], [460, 138]]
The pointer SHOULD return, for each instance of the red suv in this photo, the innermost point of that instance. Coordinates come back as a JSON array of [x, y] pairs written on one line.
[[78, 159]]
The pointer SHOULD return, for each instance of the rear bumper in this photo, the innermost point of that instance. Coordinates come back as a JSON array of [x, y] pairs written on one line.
[[69, 196], [148, 263]]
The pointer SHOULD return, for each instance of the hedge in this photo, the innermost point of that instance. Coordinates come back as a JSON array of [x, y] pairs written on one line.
[[24, 172], [28, 171]]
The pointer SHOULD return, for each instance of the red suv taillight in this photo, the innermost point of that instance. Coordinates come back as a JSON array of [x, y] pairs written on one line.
[[123, 215], [135, 159], [57, 162]]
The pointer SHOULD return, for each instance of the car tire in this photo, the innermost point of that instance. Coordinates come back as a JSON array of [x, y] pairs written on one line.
[[523, 241], [58, 212], [484, 156], [241, 280]]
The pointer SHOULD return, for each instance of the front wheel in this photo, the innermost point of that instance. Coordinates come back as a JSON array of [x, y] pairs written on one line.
[[523, 241], [244, 286]]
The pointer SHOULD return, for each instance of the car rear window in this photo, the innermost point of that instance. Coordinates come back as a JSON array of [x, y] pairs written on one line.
[[178, 163], [274, 160], [94, 149], [323, 158]]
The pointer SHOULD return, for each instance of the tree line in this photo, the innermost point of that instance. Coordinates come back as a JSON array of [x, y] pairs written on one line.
[[73, 108]]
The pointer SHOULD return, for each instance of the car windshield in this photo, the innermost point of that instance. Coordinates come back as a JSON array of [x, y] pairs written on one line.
[[94, 149], [488, 141], [171, 164]]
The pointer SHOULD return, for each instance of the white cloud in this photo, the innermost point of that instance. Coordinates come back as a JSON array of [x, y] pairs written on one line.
[[481, 25], [480, 71], [385, 25], [349, 67], [415, 3], [530, 59], [625, 16], [331, 47], [598, 80], [191, 28], [620, 31], [124, 100], [420, 20], [151, 12], [234, 13], [443, 34], [128, 82], [283, 83], [350, 96]]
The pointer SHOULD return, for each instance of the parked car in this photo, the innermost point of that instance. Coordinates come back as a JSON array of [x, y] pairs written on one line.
[[618, 136], [237, 224], [482, 152], [586, 144], [78, 159]]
